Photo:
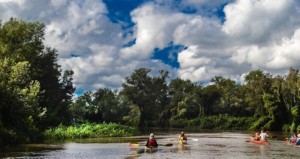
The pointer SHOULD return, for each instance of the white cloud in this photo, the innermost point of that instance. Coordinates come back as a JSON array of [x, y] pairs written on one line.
[[256, 34], [190, 58], [260, 22], [155, 26], [18, 2]]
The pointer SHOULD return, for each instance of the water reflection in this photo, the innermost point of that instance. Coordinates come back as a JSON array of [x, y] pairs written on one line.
[[208, 145], [262, 150]]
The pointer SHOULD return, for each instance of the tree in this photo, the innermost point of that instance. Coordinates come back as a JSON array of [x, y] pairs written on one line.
[[227, 91], [290, 89], [106, 106], [82, 109], [257, 83], [19, 107], [210, 100], [33, 95], [147, 93], [184, 104]]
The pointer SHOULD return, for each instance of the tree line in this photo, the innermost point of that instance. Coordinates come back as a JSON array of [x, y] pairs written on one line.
[[35, 94], [262, 101]]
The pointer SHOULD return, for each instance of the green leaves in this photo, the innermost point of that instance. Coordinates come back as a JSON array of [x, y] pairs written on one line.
[[89, 130], [149, 94], [32, 95]]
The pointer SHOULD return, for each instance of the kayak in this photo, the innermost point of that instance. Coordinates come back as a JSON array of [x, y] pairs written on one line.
[[150, 149], [288, 142], [260, 142], [134, 145], [291, 144]]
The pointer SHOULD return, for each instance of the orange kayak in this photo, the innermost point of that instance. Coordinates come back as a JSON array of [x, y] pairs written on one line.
[[260, 142]]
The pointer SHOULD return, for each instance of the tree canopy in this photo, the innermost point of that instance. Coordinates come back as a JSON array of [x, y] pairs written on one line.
[[33, 94]]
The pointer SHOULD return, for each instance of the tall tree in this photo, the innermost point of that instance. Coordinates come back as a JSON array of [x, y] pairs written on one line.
[[211, 100], [19, 107], [227, 90], [34, 68], [82, 108], [290, 89], [257, 83], [20, 110], [183, 102], [108, 106], [148, 93]]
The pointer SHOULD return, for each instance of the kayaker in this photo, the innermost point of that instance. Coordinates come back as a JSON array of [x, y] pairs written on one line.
[[182, 138], [257, 137], [151, 142], [293, 137], [264, 136], [297, 140]]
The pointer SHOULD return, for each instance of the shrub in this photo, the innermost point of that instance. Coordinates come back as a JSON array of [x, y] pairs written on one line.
[[89, 130]]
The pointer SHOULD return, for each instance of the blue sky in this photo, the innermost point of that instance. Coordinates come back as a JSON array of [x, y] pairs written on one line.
[[104, 41]]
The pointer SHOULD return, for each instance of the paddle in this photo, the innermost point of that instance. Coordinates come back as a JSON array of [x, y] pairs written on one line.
[[133, 145], [167, 145], [194, 139]]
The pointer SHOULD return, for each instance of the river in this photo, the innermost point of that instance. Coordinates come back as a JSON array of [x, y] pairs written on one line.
[[206, 145]]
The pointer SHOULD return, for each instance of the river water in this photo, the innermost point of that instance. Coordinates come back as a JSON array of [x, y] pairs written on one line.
[[206, 145]]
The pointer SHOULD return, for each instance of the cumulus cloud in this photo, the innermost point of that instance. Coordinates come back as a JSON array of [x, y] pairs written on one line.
[[86, 40], [260, 22], [255, 35], [250, 34], [154, 28]]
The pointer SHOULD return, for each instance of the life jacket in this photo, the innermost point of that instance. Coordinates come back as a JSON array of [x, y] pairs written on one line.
[[152, 143], [294, 139], [183, 138]]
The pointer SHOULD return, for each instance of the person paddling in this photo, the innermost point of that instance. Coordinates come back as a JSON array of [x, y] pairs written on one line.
[[264, 136], [151, 142], [257, 137], [293, 137], [297, 140], [182, 138]]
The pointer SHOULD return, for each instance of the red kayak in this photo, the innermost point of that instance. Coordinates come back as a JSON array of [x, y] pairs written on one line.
[[260, 142], [291, 144]]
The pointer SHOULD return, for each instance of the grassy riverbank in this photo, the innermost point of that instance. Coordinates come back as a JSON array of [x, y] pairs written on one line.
[[89, 130]]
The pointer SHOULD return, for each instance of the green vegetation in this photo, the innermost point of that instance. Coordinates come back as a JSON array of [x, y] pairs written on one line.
[[217, 122], [36, 97], [34, 93], [224, 122], [89, 130]]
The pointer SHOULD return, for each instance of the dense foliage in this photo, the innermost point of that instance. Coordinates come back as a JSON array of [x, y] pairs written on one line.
[[89, 130], [33, 94], [262, 101], [36, 95]]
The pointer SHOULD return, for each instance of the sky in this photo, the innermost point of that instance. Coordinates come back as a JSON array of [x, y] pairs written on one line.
[[104, 41]]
